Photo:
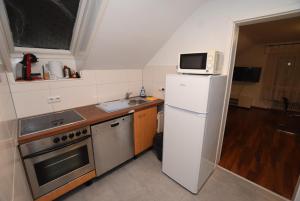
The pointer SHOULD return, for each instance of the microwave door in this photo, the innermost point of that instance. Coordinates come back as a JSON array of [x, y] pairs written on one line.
[[195, 61]]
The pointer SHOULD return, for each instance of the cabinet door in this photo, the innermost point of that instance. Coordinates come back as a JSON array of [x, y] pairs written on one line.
[[144, 129]]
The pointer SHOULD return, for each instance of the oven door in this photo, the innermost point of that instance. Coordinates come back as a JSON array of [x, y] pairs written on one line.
[[50, 169]]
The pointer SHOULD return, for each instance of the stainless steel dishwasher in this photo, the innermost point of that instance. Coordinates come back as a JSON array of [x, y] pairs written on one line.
[[113, 143]]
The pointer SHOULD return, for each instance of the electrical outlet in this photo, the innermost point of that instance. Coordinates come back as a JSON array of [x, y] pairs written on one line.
[[51, 100], [57, 99], [54, 99]]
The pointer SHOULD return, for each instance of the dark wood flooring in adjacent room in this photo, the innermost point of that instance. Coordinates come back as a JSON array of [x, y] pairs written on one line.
[[254, 149]]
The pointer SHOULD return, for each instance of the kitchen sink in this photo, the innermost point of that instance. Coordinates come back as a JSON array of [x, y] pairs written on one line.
[[136, 101], [116, 105]]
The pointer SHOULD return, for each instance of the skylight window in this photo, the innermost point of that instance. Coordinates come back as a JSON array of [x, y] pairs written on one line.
[[45, 24]]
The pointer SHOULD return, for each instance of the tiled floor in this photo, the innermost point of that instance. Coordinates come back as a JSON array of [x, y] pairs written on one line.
[[142, 180]]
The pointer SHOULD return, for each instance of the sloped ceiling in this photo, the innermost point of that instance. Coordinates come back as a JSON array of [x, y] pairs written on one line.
[[132, 31], [279, 31]]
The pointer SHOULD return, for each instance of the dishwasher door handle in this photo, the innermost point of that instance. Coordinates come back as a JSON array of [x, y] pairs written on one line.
[[114, 124]]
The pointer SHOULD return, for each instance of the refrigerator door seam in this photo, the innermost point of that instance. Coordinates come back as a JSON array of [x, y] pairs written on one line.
[[198, 114]]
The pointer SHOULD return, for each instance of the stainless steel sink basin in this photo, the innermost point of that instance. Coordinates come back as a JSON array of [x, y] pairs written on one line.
[[113, 106], [133, 102]]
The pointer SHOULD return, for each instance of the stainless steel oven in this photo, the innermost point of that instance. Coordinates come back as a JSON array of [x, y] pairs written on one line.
[[54, 161]]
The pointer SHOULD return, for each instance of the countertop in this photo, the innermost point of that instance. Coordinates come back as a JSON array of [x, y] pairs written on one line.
[[92, 115]]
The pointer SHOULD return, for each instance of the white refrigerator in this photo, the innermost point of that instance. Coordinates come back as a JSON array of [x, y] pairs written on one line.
[[193, 113]]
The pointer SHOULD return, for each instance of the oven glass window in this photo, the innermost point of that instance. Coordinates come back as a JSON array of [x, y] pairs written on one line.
[[60, 165], [193, 61]]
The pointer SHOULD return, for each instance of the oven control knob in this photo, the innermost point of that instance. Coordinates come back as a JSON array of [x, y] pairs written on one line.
[[63, 138], [56, 140], [84, 131], [71, 135], [78, 133]]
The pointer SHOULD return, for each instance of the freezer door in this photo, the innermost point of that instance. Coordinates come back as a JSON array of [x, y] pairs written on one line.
[[183, 140], [188, 92]]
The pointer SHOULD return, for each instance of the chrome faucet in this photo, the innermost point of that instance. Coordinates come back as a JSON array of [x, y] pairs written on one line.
[[127, 95]]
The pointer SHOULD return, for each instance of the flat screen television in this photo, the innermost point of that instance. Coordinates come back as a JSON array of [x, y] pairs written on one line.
[[246, 74]]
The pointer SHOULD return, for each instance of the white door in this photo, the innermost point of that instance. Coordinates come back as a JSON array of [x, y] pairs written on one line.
[[188, 92], [183, 137]]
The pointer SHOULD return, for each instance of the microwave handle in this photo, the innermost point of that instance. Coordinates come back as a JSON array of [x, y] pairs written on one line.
[[55, 148]]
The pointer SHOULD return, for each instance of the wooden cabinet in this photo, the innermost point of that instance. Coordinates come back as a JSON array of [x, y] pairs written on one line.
[[145, 123]]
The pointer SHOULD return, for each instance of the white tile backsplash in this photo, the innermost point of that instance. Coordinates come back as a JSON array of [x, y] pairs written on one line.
[[10, 176], [69, 83], [95, 86], [111, 76], [134, 88], [6, 166], [28, 86], [31, 98], [111, 91], [31, 103], [154, 79], [134, 75], [74, 97]]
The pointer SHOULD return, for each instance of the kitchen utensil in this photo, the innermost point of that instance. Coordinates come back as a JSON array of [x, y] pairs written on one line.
[[55, 68]]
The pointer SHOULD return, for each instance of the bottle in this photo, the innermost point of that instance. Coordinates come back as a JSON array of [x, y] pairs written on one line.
[[66, 72], [143, 92]]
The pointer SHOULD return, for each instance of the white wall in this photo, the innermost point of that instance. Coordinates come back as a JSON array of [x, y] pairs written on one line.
[[212, 27], [13, 185], [131, 31], [31, 98], [154, 79], [6, 140], [94, 11]]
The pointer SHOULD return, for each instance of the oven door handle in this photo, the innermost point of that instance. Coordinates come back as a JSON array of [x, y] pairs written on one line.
[[55, 148]]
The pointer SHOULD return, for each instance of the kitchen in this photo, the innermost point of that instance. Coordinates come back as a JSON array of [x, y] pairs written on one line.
[[110, 63]]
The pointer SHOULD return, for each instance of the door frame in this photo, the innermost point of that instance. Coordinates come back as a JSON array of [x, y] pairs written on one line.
[[234, 42]]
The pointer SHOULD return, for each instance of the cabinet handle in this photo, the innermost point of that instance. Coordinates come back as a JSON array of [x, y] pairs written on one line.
[[114, 124]]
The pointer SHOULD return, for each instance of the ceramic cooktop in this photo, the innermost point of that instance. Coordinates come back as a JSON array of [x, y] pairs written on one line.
[[48, 121]]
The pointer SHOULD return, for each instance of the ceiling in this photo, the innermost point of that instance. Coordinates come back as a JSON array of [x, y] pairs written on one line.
[[280, 31], [132, 31]]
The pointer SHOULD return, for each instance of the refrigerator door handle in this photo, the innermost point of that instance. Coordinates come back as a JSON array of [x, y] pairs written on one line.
[[184, 110]]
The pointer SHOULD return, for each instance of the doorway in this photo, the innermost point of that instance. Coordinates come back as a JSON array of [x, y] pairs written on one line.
[[262, 134]]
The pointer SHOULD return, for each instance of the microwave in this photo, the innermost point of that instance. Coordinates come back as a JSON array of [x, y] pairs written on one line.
[[199, 63]]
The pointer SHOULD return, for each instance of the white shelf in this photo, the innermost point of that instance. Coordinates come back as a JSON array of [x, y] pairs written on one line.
[[56, 80]]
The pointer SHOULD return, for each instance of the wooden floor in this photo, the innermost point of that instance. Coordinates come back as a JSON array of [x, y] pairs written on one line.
[[254, 149]]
